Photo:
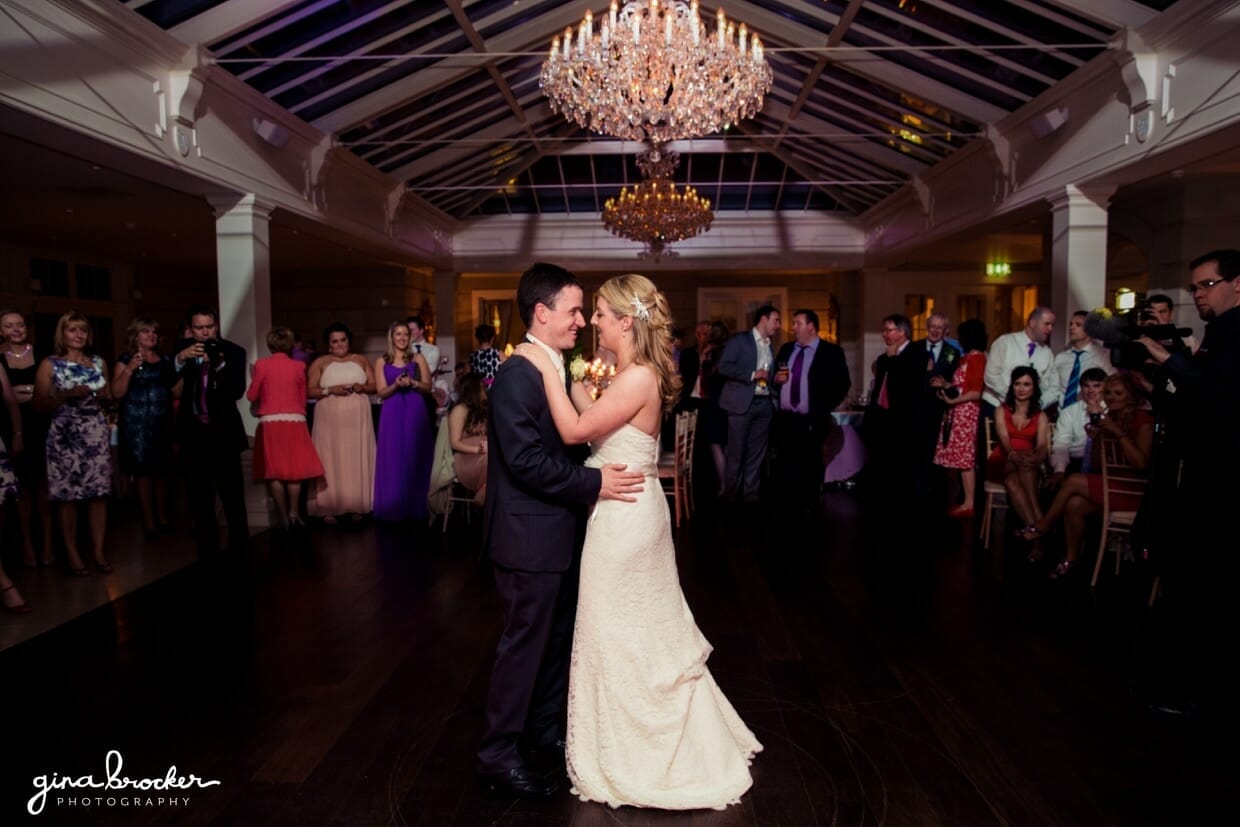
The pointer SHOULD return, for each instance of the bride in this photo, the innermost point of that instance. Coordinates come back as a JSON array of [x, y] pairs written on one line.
[[647, 724]]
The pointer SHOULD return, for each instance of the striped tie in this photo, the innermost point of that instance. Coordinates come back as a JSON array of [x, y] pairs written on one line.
[[1074, 380]]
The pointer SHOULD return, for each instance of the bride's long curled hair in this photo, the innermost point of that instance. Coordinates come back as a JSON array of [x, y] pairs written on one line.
[[636, 296]]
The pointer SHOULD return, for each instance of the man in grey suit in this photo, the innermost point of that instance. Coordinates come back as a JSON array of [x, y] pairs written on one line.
[[747, 365]]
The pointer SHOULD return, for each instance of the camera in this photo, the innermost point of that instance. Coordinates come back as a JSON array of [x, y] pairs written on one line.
[[1119, 333], [211, 350], [951, 392]]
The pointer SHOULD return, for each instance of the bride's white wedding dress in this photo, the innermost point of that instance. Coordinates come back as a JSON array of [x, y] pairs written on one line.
[[647, 724]]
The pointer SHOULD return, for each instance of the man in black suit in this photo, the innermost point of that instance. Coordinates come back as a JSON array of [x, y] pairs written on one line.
[[942, 359], [533, 528], [690, 367], [210, 431], [892, 437], [746, 365], [812, 379]]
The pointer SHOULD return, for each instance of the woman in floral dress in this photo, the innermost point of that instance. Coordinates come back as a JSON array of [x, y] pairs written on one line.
[[957, 448], [71, 385]]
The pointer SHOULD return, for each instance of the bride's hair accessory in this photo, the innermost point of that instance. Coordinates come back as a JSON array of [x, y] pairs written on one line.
[[640, 310]]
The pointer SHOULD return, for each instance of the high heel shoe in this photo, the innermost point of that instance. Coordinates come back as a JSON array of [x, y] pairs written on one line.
[[1062, 570], [1029, 533], [103, 567]]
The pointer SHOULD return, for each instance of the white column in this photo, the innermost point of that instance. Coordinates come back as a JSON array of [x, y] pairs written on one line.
[[1078, 253], [243, 261]]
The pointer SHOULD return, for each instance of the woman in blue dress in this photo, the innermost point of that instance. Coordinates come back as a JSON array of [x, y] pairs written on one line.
[[145, 381], [71, 385], [404, 449]]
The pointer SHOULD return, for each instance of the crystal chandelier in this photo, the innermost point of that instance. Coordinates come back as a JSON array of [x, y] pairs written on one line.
[[653, 73], [655, 212]]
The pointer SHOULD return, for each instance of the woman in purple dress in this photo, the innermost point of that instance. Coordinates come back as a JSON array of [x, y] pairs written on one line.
[[404, 449]]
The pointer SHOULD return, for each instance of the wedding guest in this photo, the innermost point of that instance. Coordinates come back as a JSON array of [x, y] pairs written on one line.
[[71, 385], [145, 381], [344, 432], [10, 597], [1023, 436], [27, 439], [957, 447], [1081, 494], [210, 432], [467, 433], [712, 419], [284, 456], [404, 449], [486, 359]]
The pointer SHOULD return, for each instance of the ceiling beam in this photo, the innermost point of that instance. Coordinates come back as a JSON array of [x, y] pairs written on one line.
[[227, 19], [834, 39], [773, 27], [768, 146], [537, 33], [1114, 13]]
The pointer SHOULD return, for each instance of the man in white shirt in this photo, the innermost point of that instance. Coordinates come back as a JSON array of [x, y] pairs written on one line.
[[1031, 347], [1071, 442], [1082, 354], [417, 341]]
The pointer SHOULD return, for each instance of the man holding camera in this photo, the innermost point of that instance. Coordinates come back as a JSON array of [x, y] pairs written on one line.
[[1200, 574], [210, 431]]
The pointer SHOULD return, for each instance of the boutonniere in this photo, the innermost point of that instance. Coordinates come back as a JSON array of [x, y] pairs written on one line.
[[950, 356], [577, 368]]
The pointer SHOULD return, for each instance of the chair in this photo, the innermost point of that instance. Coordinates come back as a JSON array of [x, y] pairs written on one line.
[[445, 489], [996, 492], [1118, 480], [674, 465], [690, 440]]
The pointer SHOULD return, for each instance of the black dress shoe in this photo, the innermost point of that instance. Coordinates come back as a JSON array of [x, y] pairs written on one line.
[[517, 782], [547, 759]]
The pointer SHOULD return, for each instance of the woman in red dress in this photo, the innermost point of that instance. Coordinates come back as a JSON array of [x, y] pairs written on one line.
[[957, 449], [1081, 494], [1024, 443], [284, 456]]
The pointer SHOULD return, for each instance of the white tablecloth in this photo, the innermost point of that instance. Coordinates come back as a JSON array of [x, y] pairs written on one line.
[[850, 458]]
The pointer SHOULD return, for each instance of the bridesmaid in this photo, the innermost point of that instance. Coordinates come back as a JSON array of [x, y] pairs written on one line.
[[71, 386], [30, 462], [344, 433], [404, 450], [145, 381]]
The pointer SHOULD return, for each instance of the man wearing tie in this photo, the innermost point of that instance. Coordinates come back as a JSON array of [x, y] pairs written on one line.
[[417, 341], [893, 441], [746, 397], [812, 380], [942, 359], [1082, 354], [210, 431]]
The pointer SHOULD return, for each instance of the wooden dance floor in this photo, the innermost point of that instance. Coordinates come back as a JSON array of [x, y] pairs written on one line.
[[896, 673]]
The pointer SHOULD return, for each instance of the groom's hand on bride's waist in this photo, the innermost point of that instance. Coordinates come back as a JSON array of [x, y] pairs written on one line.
[[619, 484]]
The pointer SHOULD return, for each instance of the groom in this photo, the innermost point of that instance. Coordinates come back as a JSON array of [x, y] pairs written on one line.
[[533, 528]]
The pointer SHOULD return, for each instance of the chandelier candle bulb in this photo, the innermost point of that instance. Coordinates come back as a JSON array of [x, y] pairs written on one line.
[[676, 83]]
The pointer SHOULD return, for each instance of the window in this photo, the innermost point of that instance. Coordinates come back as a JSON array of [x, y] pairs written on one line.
[[94, 282], [49, 277]]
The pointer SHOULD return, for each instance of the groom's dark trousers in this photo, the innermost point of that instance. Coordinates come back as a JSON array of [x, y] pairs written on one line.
[[533, 526]]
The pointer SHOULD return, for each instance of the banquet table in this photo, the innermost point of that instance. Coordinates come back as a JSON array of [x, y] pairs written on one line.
[[846, 451]]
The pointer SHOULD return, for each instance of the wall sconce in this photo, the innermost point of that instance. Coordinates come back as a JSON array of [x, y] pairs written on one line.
[[1125, 300], [998, 269]]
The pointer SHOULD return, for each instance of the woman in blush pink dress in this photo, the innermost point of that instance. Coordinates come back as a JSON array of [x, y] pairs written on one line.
[[344, 433], [284, 456]]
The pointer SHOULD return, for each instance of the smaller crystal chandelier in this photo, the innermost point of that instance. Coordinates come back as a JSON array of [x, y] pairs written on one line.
[[652, 72], [655, 212]]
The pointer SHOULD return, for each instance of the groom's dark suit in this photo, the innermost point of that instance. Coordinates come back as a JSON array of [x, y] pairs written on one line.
[[533, 526]]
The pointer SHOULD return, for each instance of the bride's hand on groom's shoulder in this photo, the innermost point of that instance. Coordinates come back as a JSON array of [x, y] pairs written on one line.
[[535, 354]]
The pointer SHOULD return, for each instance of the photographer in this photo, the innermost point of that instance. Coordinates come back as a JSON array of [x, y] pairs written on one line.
[[1200, 574], [210, 431]]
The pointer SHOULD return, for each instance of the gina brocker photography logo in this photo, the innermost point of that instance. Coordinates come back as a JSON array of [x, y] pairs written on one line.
[[115, 789]]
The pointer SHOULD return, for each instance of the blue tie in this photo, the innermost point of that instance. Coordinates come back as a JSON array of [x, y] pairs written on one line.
[[1074, 380]]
